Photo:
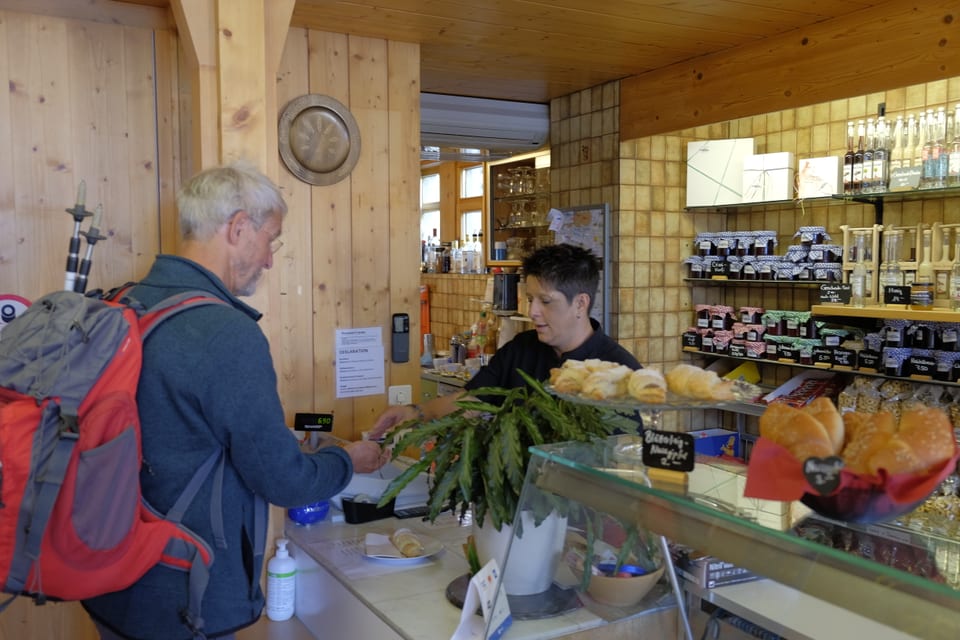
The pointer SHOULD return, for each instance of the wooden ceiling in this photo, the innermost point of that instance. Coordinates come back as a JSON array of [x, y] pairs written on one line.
[[536, 50]]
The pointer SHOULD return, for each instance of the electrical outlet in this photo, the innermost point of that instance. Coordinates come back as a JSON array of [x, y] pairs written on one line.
[[400, 394]]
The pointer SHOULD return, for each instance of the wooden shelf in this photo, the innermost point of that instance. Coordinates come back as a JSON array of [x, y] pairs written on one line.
[[888, 312]]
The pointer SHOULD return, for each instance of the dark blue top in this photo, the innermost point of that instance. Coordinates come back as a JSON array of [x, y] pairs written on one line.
[[525, 351], [207, 382]]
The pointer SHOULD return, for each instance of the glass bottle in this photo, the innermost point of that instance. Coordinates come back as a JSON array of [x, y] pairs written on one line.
[[858, 276], [943, 267], [881, 156], [896, 145], [866, 180], [919, 131], [921, 291], [432, 243], [848, 160], [857, 181], [941, 159], [955, 274], [953, 157], [890, 275], [467, 255]]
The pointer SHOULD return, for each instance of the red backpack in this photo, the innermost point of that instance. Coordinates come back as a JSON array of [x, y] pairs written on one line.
[[73, 522]]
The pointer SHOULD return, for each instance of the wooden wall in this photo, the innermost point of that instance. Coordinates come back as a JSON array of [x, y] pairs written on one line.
[[99, 96]]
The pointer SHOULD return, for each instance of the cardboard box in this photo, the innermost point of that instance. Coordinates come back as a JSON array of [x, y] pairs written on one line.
[[716, 442], [724, 479], [710, 572], [819, 177], [715, 171], [768, 177]]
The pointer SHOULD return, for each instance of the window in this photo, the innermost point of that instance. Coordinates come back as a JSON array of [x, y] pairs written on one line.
[[451, 200], [429, 205], [471, 182]]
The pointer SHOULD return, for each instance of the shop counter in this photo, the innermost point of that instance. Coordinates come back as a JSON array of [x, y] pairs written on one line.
[[341, 593]]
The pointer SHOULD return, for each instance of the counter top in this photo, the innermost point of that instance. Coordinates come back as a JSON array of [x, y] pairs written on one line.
[[410, 598]]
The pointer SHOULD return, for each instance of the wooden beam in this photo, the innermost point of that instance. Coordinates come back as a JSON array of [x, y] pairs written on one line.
[[197, 26], [895, 44]]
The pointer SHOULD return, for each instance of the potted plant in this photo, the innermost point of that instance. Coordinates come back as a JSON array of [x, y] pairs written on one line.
[[478, 454]]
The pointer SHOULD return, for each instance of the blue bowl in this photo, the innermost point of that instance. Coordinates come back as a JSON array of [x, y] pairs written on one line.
[[310, 513]]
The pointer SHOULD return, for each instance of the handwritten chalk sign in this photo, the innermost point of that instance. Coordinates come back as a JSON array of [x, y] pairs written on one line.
[[905, 178], [823, 474], [835, 292], [896, 295], [668, 450]]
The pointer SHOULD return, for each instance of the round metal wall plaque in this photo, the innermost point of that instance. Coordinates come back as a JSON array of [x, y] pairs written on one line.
[[319, 139]]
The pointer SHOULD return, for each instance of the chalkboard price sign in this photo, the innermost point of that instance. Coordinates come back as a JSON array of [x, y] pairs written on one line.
[[668, 450], [838, 292], [823, 474], [896, 295]]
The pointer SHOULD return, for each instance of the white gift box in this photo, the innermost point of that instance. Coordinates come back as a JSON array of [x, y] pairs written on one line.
[[715, 171], [768, 177], [819, 177]]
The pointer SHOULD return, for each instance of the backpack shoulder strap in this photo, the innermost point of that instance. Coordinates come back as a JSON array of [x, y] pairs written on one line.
[[169, 307]]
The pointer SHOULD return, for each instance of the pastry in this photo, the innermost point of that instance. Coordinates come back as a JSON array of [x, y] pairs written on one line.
[[407, 543], [825, 411], [702, 384], [647, 385], [795, 430], [607, 382]]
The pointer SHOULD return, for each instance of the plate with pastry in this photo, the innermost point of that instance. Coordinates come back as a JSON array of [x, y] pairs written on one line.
[[856, 467], [402, 546]]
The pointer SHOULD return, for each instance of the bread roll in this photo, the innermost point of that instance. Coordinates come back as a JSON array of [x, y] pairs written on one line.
[[647, 385], [795, 430], [606, 383], [407, 543], [928, 433], [865, 435], [825, 411], [694, 382]]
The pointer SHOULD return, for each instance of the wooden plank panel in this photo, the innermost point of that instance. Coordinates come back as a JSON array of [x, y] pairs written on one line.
[[370, 202], [404, 142], [9, 265], [293, 356], [819, 63], [332, 239], [169, 130]]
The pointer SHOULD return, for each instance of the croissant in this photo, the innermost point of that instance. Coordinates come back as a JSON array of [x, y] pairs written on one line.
[[568, 379], [796, 430], [407, 543], [694, 382], [607, 383], [647, 385]]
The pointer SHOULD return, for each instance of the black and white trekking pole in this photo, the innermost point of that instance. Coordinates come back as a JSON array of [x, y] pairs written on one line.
[[79, 212], [92, 235]]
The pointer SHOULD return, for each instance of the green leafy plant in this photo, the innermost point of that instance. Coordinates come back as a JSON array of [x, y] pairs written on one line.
[[478, 454]]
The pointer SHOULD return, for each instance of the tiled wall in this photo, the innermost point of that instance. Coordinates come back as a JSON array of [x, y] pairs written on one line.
[[455, 303]]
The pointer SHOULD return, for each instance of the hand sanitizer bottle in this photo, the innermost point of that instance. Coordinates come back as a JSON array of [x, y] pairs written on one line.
[[281, 583]]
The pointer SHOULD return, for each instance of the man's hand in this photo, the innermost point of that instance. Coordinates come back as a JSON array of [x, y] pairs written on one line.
[[367, 456], [390, 418]]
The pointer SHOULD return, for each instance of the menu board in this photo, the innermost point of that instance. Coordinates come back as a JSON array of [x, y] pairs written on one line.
[[587, 226]]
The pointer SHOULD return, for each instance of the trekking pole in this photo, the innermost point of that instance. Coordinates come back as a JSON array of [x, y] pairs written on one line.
[[92, 235], [78, 212]]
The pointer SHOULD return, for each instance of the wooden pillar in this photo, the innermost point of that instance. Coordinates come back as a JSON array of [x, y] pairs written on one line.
[[233, 48]]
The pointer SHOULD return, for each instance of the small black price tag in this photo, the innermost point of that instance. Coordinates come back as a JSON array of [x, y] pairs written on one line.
[[835, 292], [869, 360], [922, 366], [896, 295], [668, 450], [844, 357], [313, 422], [823, 474], [823, 355], [719, 268], [738, 350]]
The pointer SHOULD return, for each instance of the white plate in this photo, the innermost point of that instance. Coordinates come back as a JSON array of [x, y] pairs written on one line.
[[431, 547]]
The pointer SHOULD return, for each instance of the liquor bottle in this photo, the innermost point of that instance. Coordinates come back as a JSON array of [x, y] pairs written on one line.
[[943, 267], [890, 275], [921, 291], [927, 161], [479, 259], [955, 274], [858, 276], [866, 184], [881, 156], [857, 181], [909, 141], [848, 160], [433, 242], [918, 139], [941, 159], [953, 157], [467, 255], [896, 145]]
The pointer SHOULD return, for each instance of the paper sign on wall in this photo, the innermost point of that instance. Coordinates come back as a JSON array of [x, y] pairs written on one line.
[[360, 362]]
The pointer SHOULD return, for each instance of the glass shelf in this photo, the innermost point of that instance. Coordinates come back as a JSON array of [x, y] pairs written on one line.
[[593, 474], [802, 284]]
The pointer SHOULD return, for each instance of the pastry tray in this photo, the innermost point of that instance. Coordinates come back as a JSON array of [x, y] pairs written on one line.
[[742, 392]]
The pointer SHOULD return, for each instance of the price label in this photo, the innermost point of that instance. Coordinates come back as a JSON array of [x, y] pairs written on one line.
[[844, 357], [668, 450], [869, 360], [738, 350], [896, 295], [313, 422], [823, 356], [823, 474], [719, 269], [835, 293], [905, 178]]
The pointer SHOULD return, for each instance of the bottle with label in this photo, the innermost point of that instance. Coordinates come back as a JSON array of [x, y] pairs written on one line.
[[848, 161], [881, 156], [858, 276], [955, 274], [953, 156], [890, 275], [467, 255], [432, 243], [281, 583], [940, 149], [896, 145], [922, 289], [479, 262], [919, 132], [866, 179], [857, 181]]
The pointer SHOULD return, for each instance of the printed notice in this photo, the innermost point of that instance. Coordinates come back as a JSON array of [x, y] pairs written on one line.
[[360, 362]]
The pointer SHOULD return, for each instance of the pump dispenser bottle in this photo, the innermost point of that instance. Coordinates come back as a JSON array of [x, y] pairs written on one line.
[[281, 583]]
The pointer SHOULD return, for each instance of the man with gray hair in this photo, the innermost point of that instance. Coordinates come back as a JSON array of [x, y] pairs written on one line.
[[207, 384]]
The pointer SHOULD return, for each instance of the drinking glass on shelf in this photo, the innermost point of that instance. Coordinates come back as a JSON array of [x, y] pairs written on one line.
[[516, 182], [516, 214], [529, 180]]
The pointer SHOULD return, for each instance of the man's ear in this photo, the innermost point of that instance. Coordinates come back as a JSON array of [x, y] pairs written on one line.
[[238, 221]]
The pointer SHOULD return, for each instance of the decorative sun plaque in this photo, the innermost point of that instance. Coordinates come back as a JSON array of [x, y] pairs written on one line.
[[319, 139]]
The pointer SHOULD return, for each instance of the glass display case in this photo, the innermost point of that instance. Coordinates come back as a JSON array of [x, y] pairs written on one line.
[[609, 478], [519, 200]]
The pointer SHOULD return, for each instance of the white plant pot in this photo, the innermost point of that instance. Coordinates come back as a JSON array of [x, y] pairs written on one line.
[[534, 557]]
